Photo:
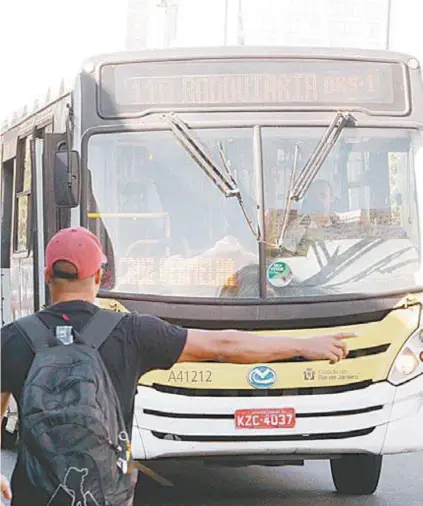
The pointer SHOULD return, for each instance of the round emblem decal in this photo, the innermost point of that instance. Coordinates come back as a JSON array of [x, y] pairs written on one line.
[[279, 274], [262, 377]]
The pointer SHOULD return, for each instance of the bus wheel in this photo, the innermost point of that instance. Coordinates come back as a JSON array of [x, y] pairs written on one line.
[[8, 439], [356, 474]]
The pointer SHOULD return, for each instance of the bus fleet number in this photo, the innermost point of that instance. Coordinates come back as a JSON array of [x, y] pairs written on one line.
[[187, 376]]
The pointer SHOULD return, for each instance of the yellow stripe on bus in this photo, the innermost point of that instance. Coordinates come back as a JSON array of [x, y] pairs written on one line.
[[392, 331]]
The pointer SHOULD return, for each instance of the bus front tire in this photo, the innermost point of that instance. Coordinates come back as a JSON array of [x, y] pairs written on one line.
[[356, 474]]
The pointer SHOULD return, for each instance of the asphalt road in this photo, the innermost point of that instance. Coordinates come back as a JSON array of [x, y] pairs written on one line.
[[401, 485]]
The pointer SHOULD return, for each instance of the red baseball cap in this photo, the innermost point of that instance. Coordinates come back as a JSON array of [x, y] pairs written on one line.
[[78, 246]]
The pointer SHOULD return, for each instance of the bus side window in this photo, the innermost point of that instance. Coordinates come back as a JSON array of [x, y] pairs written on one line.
[[8, 170], [22, 222]]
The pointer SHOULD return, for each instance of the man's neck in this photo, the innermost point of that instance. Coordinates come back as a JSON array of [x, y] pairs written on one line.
[[72, 297]]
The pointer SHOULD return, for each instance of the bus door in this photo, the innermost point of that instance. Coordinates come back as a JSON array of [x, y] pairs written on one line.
[[29, 219], [23, 296]]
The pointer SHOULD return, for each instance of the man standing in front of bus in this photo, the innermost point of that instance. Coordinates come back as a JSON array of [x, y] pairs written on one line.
[[138, 344]]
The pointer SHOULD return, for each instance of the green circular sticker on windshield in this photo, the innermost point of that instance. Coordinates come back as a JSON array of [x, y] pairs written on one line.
[[279, 274]]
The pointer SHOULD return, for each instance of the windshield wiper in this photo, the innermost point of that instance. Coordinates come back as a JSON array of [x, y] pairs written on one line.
[[226, 184], [319, 155], [225, 181], [239, 196]]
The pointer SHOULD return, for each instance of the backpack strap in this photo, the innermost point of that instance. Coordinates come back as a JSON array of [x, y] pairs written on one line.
[[99, 328], [38, 335]]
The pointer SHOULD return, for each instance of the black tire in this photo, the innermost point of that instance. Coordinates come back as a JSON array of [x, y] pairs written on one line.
[[356, 474], [8, 440]]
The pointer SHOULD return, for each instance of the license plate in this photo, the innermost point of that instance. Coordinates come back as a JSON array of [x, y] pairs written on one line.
[[283, 418]]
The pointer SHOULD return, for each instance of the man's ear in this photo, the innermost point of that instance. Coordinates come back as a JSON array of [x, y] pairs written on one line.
[[47, 276], [98, 276]]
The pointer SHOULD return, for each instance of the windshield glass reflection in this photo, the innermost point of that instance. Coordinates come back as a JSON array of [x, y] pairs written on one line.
[[356, 229], [168, 230], [165, 226]]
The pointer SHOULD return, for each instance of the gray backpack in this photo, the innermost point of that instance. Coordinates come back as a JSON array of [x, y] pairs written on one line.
[[74, 447]]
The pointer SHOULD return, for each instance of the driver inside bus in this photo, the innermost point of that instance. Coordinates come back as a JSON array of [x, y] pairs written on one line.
[[316, 216]]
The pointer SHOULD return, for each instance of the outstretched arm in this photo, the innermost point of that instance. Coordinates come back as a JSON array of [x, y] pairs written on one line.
[[246, 348]]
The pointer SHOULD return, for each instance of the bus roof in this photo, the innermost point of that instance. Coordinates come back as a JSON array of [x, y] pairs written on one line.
[[250, 52]]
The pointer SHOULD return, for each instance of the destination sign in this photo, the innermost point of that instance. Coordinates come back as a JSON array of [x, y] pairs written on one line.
[[130, 88], [152, 271]]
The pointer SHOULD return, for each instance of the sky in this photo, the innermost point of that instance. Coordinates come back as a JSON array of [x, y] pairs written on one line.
[[43, 40]]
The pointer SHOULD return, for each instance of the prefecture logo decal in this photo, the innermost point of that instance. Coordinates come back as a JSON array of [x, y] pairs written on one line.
[[262, 377], [309, 374]]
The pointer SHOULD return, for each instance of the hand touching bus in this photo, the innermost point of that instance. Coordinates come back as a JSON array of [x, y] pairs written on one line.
[[332, 348]]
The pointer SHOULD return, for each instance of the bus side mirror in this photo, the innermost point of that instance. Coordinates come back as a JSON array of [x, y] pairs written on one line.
[[67, 178]]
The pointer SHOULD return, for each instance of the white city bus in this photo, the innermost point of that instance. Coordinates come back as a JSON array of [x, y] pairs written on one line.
[[197, 170]]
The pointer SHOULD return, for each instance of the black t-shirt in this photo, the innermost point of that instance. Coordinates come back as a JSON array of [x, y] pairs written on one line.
[[139, 344]]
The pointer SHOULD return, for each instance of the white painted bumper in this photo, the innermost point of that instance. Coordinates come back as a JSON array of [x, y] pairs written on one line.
[[377, 419], [405, 431]]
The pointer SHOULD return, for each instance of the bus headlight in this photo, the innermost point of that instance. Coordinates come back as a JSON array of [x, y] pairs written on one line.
[[409, 361]]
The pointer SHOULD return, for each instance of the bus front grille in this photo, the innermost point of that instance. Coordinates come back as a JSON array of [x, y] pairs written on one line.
[[285, 437], [277, 392]]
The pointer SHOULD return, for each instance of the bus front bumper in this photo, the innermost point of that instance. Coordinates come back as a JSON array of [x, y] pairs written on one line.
[[378, 419], [404, 432]]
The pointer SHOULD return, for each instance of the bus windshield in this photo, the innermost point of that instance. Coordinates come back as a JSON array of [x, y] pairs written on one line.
[[168, 230]]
